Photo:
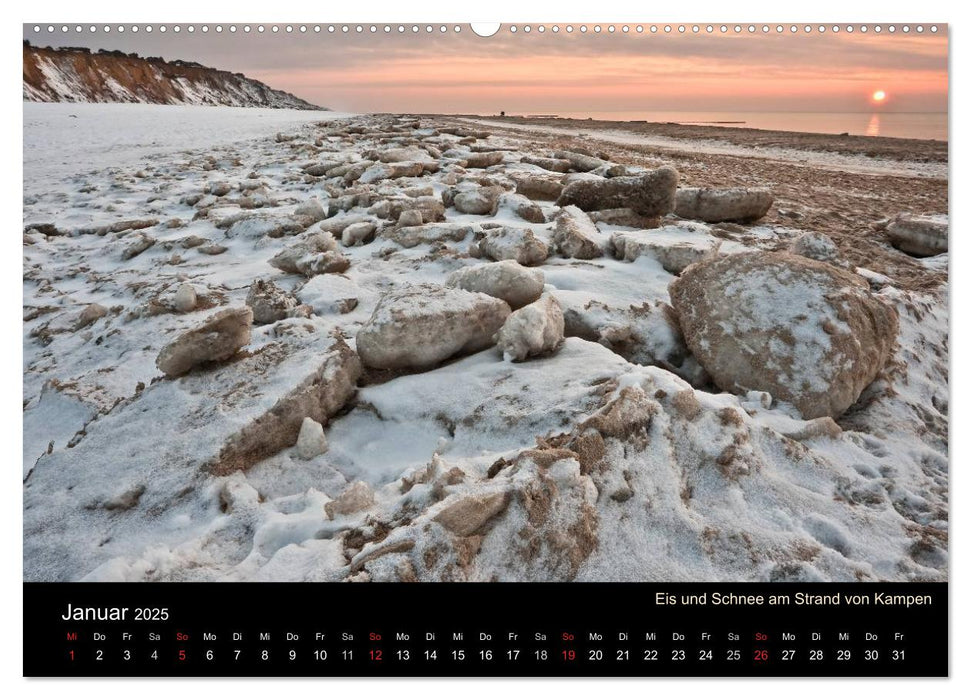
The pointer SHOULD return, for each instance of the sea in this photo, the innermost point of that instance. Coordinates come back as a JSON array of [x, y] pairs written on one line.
[[908, 125]]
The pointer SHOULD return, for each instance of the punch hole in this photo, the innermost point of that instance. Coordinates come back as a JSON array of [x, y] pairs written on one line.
[[485, 29]]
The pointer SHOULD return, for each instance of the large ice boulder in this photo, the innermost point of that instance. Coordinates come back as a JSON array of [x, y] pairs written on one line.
[[507, 280], [535, 186], [511, 243], [581, 162], [535, 329], [483, 160], [269, 302], [318, 386], [141, 243], [185, 298], [311, 441], [575, 235], [218, 339], [919, 235], [806, 332], [674, 247], [358, 233], [817, 246], [391, 171], [405, 154], [89, 314], [466, 513], [556, 165], [312, 210], [650, 194], [523, 207], [480, 201], [315, 255], [715, 204], [435, 234], [419, 326]]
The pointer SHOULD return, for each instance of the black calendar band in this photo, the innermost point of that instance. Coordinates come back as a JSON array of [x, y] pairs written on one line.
[[485, 629]]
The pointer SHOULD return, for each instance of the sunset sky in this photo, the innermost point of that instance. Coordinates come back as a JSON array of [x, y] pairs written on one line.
[[567, 73]]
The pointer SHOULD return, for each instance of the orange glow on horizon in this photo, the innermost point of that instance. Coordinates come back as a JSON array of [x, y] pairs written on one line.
[[537, 83], [759, 74]]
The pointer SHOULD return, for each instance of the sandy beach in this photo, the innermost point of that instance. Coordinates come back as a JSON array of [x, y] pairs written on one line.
[[930, 150], [839, 185]]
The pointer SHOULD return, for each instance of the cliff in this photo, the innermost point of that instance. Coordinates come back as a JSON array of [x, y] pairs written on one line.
[[80, 75]]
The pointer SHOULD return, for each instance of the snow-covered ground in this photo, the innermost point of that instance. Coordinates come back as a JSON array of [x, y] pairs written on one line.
[[612, 458], [65, 139]]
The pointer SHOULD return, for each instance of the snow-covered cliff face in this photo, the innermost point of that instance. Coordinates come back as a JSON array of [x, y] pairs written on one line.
[[76, 75]]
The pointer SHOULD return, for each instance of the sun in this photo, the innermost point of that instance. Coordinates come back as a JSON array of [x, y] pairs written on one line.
[[879, 96]]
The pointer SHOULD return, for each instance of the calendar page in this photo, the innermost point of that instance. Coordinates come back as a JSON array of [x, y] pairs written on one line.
[[549, 349]]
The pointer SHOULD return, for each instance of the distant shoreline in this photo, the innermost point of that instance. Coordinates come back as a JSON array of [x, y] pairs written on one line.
[[730, 123], [889, 147]]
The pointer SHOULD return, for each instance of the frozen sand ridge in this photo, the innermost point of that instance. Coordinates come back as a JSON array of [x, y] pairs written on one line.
[[608, 455]]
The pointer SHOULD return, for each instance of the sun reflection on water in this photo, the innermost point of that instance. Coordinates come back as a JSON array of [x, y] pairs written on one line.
[[873, 128]]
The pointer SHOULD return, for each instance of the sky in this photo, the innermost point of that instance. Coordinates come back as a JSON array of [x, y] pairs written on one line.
[[566, 73]]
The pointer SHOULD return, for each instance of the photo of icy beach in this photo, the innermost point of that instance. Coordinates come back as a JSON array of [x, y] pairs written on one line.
[[421, 306]]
